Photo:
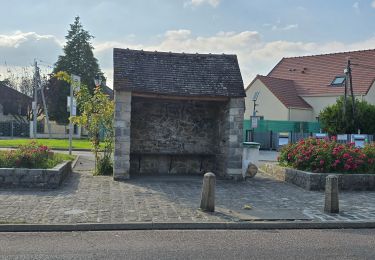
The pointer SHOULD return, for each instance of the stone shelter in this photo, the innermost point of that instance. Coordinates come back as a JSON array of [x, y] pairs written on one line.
[[177, 113]]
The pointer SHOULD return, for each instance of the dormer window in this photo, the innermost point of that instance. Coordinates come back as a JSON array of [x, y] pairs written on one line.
[[338, 81]]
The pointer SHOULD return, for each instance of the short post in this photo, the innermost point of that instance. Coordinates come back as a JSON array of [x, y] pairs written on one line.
[[208, 192], [331, 204]]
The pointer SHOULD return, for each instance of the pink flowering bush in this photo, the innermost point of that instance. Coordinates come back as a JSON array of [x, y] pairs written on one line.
[[30, 156], [317, 155]]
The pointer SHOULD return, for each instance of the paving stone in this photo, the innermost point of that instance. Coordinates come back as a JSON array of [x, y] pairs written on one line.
[[90, 199]]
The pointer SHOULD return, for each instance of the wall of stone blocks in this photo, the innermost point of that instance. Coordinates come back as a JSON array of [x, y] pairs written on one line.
[[231, 138], [174, 136], [160, 136], [121, 166]]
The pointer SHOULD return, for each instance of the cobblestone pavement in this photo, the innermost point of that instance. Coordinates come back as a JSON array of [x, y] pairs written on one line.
[[86, 199]]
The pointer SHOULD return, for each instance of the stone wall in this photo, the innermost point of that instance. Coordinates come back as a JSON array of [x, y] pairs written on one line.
[[35, 178], [174, 136], [316, 181], [231, 138], [121, 163], [167, 136]]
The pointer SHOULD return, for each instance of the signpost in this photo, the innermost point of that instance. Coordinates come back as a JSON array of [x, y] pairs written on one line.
[[72, 105], [254, 122]]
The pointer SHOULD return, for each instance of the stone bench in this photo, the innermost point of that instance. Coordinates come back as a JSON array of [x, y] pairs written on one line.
[[171, 163]]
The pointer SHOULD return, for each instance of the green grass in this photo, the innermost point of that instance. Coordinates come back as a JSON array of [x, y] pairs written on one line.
[[57, 158], [51, 143]]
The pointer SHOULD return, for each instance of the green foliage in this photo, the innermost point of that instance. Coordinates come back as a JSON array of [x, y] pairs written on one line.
[[328, 156], [51, 143], [78, 59], [334, 122], [104, 166], [32, 156], [97, 112]]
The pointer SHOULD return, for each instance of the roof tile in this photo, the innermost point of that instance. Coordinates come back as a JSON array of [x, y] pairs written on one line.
[[177, 74]]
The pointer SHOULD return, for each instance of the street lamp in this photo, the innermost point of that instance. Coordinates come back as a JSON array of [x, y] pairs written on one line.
[[98, 81]]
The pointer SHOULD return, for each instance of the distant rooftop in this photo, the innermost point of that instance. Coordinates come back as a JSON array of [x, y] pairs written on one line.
[[313, 75], [178, 74]]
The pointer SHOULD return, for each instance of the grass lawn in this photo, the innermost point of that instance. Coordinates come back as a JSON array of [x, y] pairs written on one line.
[[51, 143]]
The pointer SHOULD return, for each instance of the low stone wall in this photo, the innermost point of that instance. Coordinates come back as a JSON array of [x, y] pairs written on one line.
[[35, 178], [316, 181]]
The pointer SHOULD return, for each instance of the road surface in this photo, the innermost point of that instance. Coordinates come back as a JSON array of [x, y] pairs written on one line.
[[192, 244]]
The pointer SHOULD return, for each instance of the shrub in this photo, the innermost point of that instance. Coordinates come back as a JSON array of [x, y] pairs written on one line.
[[104, 166], [318, 155], [31, 156]]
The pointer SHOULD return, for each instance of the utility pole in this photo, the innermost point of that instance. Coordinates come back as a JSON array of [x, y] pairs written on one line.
[[76, 82], [38, 86], [35, 103], [349, 80]]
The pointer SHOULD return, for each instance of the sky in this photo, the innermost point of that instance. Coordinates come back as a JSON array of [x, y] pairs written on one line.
[[259, 32]]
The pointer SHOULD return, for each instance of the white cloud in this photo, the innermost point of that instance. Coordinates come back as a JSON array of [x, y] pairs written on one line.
[[356, 7], [21, 48], [255, 55], [213, 3], [284, 28], [18, 38], [373, 4]]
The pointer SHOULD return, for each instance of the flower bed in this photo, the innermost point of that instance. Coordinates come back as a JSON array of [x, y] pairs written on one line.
[[31, 156], [33, 166], [328, 156]]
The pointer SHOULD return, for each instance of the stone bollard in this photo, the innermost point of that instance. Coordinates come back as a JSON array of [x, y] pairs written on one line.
[[208, 192], [331, 204]]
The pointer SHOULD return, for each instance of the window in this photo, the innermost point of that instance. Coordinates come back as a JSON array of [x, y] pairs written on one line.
[[338, 81]]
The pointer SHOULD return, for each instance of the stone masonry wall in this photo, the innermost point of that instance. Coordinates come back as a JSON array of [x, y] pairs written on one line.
[[35, 178], [174, 136], [231, 138], [121, 164]]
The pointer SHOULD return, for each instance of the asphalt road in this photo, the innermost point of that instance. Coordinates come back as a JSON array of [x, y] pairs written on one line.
[[193, 244]]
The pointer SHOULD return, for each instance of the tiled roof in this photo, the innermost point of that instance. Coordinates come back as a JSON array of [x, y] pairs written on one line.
[[285, 91], [313, 75], [11, 94], [179, 74]]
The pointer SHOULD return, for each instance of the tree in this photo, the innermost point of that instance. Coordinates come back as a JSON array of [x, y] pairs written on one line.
[[97, 114], [335, 122], [78, 59]]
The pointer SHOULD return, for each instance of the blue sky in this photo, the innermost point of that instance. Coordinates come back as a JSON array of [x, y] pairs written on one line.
[[260, 32]]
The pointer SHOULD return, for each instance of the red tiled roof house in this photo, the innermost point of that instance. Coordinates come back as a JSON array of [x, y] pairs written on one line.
[[298, 88]]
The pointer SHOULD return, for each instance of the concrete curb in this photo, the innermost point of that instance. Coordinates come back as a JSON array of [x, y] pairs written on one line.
[[255, 225], [75, 161]]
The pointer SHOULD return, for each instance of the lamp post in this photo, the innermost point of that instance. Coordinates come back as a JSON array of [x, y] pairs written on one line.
[[97, 81]]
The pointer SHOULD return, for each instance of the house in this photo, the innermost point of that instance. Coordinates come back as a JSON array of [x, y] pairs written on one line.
[[298, 88], [177, 113], [14, 106]]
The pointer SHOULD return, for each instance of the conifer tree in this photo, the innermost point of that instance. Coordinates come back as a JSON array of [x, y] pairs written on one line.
[[78, 59]]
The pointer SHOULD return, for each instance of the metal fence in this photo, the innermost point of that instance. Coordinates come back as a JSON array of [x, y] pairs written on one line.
[[18, 129], [14, 129], [270, 140], [269, 133]]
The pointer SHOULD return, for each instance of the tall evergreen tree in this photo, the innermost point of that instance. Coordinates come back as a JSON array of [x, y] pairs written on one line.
[[78, 59]]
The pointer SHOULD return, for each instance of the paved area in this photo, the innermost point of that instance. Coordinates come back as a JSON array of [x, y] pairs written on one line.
[[86, 199]]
